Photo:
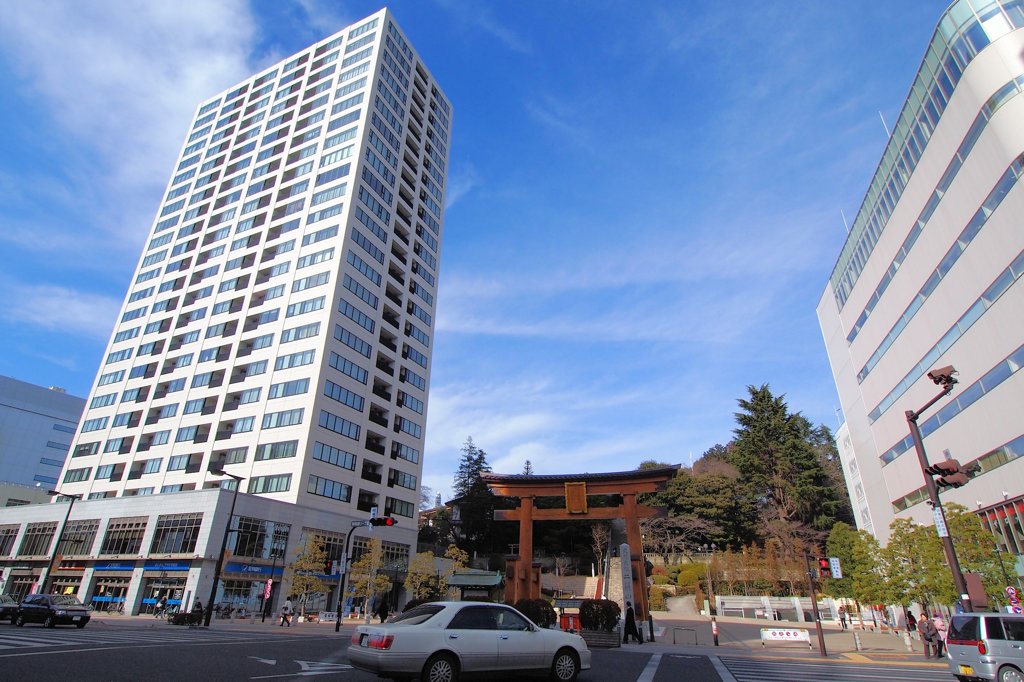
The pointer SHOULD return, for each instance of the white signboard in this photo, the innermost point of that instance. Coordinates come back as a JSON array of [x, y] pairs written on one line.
[[835, 568], [785, 635]]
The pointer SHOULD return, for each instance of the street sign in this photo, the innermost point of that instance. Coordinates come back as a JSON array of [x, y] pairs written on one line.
[[267, 588], [940, 522], [373, 512], [334, 567], [837, 570]]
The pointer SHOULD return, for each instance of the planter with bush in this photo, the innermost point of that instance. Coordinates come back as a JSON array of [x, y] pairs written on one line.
[[599, 620], [539, 611]]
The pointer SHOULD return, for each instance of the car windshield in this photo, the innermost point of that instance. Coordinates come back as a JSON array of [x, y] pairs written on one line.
[[418, 614], [66, 600]]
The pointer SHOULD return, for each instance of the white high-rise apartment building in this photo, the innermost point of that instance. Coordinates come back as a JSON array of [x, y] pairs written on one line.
[[280, 320], [930, 276]]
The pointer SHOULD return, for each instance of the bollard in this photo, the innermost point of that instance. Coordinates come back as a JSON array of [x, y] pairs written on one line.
[[856, 641], [714, 629]]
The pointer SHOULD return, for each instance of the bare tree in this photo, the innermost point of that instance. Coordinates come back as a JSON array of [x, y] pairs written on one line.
[[676, 534], [599, 535]]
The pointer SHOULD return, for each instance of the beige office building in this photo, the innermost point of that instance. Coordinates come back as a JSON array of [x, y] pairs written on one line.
[[930, 277]]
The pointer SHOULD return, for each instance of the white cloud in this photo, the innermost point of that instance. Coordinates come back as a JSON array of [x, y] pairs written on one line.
[[59, 309], [479, 17], [559, 118], [122, 82], [461, 181]]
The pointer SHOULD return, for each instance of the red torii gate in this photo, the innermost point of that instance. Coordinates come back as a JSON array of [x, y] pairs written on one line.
[[522, 578]]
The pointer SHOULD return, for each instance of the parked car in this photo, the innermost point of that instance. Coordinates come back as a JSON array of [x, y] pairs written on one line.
[[442, 641], [8, 607], [986, 646], [52, 610]]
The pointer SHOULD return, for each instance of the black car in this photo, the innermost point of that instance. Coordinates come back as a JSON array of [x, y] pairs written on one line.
[[8, 607], [51, 610]]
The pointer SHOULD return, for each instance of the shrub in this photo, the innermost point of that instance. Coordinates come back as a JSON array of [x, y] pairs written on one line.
[[599, 614], [659, 570], [413, 603], [539, 611], [660, 579], [657, 599], [690, 576]]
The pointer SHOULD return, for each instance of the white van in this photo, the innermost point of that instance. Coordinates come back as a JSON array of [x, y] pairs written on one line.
[[986, 646]]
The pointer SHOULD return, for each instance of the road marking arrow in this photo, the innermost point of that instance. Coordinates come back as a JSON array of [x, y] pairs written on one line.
[[268, 661]]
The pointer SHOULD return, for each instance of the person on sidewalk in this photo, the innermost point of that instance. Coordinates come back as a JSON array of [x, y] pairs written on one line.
[[940, 632], [630, 629], [928, 635], [911, 623], [842, 616], [286, 613]]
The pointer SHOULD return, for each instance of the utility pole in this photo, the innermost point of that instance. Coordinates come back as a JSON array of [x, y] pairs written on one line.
[[814, 605]]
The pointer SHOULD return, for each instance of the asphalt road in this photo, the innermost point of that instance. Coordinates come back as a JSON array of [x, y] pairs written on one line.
[[154, 653]]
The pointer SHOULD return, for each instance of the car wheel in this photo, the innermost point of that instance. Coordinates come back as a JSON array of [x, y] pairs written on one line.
[[440, 668], [566, 666], [1010, 674], [50, 621], [19, 620]]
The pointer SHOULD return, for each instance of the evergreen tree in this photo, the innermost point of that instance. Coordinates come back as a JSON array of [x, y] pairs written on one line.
[[475, 501], [528, 468], [780, 469]]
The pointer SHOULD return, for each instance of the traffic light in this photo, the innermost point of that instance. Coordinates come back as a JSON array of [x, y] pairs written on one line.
[[950, 474], [824, 569], [383, 521]]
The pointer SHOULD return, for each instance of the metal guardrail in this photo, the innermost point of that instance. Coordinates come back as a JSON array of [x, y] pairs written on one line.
[[690, 630]]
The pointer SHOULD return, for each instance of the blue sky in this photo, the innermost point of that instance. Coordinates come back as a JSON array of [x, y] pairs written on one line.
[[644, 205]]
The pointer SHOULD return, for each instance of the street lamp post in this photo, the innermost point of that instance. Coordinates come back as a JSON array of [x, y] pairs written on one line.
[[56, 544], [943, 377], [218, 470]]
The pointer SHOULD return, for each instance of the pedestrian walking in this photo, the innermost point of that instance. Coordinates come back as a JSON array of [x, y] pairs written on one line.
[[286, 613], [911, 623], [161, 607], [630, 629], [842, 616], [940, 634]]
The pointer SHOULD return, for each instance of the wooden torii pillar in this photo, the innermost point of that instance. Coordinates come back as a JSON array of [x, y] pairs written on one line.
[[522, 576]]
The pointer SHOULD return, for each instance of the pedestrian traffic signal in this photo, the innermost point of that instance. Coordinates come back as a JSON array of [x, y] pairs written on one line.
[[950, 474], [824, 569], [383, 521]]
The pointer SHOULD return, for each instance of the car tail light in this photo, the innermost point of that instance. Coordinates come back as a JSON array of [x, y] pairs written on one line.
[[982, 649], [382, 642], [355, 637]]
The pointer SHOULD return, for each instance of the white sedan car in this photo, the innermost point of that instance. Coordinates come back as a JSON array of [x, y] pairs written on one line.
[[441, 641]]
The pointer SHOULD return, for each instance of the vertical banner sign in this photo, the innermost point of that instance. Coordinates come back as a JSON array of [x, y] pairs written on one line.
[[267, 588], [627, 575], [836, 569], [940, 522]]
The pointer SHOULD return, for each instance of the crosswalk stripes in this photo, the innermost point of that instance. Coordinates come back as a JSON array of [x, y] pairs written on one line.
[[21, 638], [789, 670]]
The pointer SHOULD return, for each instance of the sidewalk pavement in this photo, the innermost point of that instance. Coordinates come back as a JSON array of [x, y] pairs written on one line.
[[742, 636]]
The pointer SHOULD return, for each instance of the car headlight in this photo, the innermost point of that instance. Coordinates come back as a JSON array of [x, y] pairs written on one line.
[[61, 612]]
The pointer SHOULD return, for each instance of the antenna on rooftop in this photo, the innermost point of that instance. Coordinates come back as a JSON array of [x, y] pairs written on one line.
[[845, 223], [887, 133]]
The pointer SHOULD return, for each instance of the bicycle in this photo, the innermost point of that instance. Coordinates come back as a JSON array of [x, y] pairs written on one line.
[[116, 608]]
